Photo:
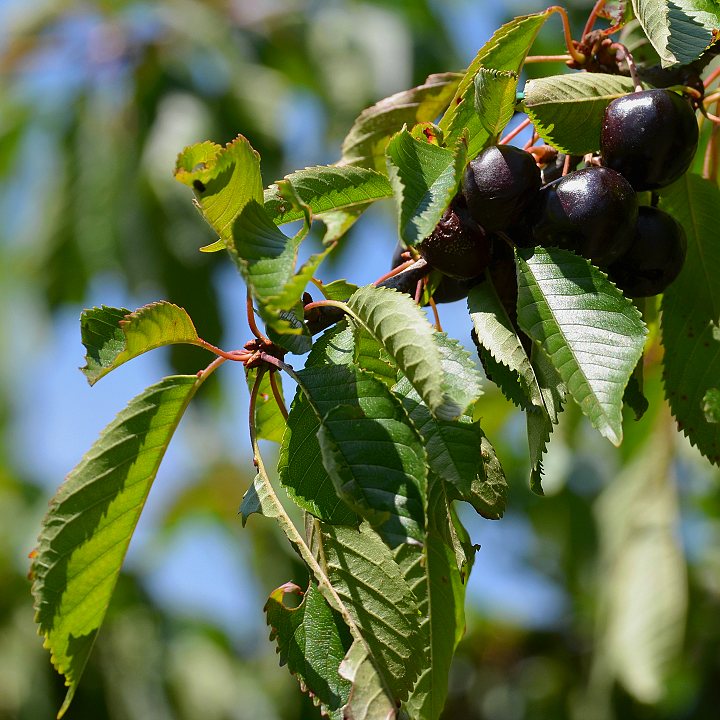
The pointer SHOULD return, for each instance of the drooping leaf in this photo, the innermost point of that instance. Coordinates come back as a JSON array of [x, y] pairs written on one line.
[[269, 420], [495, 332], [91, 519], [112, 336], [326, 189], [591, 333], [224, 180], [312, 641], [369, 582], [366, 141], [425, 178], [678, 30], [370, 450], [405, 333], [505, 51], [435, 579], [691, 313], [567, 110], [484, 110]]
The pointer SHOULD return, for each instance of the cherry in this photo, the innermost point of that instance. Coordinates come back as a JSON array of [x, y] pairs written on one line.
[[592, 211], [499, 184], [655, 257], [458, 246], [650, 137]]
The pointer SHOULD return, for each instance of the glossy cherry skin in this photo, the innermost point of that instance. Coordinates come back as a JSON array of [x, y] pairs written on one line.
[[655, 257], [592, 212], [499, 184], [650, 137], [458, 246]]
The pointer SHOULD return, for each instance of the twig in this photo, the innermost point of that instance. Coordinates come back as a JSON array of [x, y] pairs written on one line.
[[237, 355], [278, 395], [516, 131], [547, 58]]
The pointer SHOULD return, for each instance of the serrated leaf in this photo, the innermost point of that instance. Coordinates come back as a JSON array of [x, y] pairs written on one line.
[[370, 583], [338, 289], [257, 499], [372, 357], [592, 334], [312, 641], [269, 420], [495, 332], [567, 110], [88, 527], [425, 178], [507, 380], [678, 31], [404, 331], [326, 189], [370, 450], [224, 180], [505, 51], [435, 579], [112, 336], [366, 141], [485, 109], [691, 313]]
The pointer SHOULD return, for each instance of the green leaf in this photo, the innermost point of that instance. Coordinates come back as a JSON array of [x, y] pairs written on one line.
[[269, 420], [366, 141], [370, 450], [371, 585], [567, 110], [495, 332], [425, 178], [678, 30], [224, 181], [372, 357], [326, 189], [506, 51], [257, 499], [112, 336], [312, 641], [488, 491], [403, 330], [435, 579], [368, 698], [691, 313], [591, 333], [711, 405], [88, 527], [484, 110], [338, 289]]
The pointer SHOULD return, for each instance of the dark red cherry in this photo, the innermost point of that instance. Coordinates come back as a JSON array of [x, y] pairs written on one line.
[[592, 212], [650, 137], [499, 184], [458, 246], [655, 257]]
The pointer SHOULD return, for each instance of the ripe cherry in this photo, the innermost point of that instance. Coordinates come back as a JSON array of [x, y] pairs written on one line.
[[655, 257], [650, 137], [590, 211], [499, 185], [458, 246]]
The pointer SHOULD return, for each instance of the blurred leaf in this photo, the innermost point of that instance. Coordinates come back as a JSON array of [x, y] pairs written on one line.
[[269, 420], [88, 528]]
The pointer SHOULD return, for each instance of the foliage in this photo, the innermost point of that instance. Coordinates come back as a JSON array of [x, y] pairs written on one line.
[[386, 432]]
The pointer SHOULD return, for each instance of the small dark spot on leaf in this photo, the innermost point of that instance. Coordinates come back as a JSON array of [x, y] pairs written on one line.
[[199, 186], [684, 398], [458, 100]]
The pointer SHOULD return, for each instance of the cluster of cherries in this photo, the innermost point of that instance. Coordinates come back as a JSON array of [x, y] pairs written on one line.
[[648, 141]]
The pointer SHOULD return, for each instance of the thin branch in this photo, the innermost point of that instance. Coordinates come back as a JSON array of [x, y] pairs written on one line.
[[277, 394], [547, 58], [237, 355]]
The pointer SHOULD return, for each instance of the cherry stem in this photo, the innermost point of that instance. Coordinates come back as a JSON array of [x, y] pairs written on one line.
[[419, 289], [712, 77], [566, 166], [577, 56], [438, 326], [277, 394], [251, 320], [516, 131], [214, 365], [395, 271], [251, 412], [531, 142], [547, 58], [279, 364], [632, 67], [321, 303], [593, 17], [237, 355], [713, 97]]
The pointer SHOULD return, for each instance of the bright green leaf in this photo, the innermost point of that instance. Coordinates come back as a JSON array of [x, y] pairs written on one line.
[[269, 420], [592, 334], [91, 519]]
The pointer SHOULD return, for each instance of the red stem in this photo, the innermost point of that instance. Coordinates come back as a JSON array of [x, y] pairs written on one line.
[[438, 326], [251, 319], [710, 79], [577, 56], [238, 355], [395, 271], [516, 131], [216, 363], [547, 58], [278, 395], [593, 17]]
